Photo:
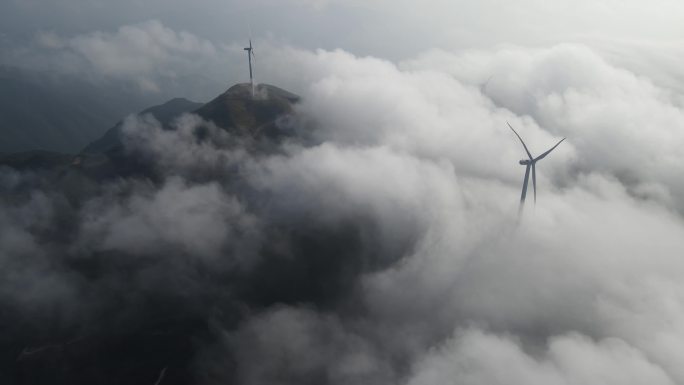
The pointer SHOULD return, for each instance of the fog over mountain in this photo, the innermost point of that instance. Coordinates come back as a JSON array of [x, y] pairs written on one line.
[[364, 230]]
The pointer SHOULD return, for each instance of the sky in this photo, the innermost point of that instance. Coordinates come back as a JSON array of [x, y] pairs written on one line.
[[391, 237], [384, 28]]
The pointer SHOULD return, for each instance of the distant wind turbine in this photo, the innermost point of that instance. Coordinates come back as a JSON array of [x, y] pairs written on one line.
[[530, 163], [250, 55], [483, 86]]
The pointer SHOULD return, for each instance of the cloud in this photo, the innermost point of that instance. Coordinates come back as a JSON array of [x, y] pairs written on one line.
[[289, 345], [137, 48], [178, 151], [145, 52], [474, 357], [386, 247], [607, 112], [606, 219], [619, 122], [176, 218]]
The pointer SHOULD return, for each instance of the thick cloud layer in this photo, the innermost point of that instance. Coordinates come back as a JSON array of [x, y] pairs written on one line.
[[386, 248]]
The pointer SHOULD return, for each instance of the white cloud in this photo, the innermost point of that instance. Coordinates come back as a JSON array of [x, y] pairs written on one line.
[[197, 221], [474, 357], [141, 52]]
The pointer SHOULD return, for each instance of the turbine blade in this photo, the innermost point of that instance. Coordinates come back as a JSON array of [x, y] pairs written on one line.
[[547, 152], [524, 190], [534, 182], [521, 141]]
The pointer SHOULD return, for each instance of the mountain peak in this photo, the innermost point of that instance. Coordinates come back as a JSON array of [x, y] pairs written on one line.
[[238, 111]]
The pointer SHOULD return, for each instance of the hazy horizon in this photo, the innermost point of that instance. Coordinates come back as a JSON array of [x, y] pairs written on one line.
[[204, 39]]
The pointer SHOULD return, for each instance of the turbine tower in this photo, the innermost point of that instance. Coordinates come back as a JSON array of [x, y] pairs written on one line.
[[250, 54], [531, 164]]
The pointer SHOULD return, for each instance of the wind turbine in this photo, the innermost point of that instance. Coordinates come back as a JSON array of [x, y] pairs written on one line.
[[250, 55], [531, 164]]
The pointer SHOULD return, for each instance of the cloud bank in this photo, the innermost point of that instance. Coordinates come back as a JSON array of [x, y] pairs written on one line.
[[386, 248]]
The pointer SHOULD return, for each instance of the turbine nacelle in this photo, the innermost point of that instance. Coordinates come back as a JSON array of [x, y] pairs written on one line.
[[525, 162]]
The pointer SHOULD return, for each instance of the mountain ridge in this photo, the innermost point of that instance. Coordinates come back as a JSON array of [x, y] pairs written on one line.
[[258, 118], [164, 113]]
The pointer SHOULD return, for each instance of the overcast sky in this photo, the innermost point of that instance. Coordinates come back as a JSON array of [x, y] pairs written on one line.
[[385, 28]]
